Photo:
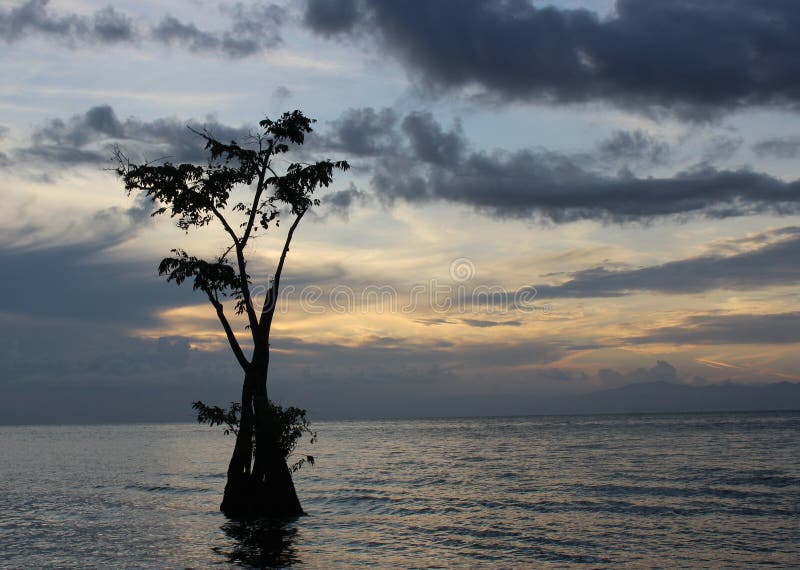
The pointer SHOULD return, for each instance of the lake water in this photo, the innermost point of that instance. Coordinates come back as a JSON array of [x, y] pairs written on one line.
[[701, 490]]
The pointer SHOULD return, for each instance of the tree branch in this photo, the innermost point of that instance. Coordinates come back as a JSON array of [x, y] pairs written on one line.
[[225, 224], [268, 310], [259, 190], [237, 350], [248, 302], [254, 208]]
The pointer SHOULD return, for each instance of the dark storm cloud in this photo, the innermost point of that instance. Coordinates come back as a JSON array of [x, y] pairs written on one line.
[[89, 138], [363, 132], [432, 144], [329, 17], [550, 186], [769, 265], [781, 147], [253, 28], [691, 57], [779, 328], [429, 163]]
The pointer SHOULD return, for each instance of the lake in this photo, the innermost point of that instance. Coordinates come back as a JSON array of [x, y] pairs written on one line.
[[685, 490]]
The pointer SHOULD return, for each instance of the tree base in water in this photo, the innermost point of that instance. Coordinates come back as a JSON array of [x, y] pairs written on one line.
[[246, 497]]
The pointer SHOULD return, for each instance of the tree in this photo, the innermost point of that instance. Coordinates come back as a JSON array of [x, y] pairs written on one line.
[[259, 479]]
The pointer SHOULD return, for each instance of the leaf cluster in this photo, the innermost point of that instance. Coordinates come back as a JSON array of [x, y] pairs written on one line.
[[215, 279], [210, 277], [287, 425], [216, 416], [195, 194]]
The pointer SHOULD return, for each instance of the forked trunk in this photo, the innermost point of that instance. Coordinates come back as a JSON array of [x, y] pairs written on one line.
[[259, 481]]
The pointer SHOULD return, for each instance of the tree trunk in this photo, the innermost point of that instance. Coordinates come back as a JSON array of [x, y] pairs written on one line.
[[259, 481], [271, 474], [237, 497]]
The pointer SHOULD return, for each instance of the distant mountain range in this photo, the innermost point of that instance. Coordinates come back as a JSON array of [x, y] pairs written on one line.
[[661, 397]]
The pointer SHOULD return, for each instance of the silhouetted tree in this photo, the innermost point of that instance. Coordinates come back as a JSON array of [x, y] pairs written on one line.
[[259, 480]]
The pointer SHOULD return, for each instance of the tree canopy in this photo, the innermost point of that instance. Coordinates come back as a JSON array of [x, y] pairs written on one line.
[[198, 195]]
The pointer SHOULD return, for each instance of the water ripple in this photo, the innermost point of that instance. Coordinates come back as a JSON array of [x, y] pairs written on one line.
[[717, 490]]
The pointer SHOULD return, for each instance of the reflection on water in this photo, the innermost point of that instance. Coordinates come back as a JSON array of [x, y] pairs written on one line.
[[637, 491], [263, 543]]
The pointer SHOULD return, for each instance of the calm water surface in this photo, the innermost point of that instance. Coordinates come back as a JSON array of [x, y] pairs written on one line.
[[715, 490]]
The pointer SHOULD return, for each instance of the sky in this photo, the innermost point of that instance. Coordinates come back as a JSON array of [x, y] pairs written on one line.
[[546, 199]]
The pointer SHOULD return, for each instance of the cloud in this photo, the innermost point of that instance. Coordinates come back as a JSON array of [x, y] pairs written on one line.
[[64, 271], [5, 161], [432, 144], [779, 147], [88, 138], [661, 372], [281, 92], [422, 162], [414, 158], [401, 377], [99, 362], [754, 268], [363, 132], [482, 323], [56, 370], [634, 147], [84, 353], [340, 202], [691, 58], [33, 229], [111, 26], [721, 148], [32, 17], [98, 122], [329, 17], [254, 28], [67, 276], [777, 328], [552, 187]]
